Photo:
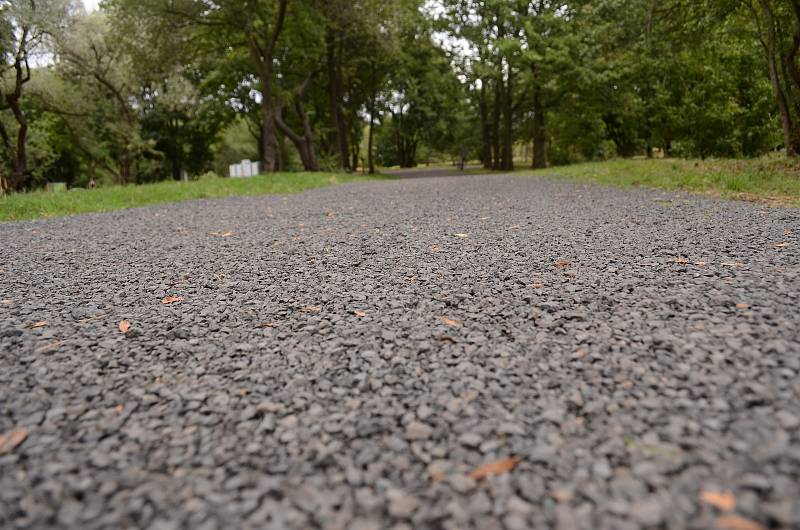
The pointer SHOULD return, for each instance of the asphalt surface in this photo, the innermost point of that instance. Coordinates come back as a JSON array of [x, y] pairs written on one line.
[[349, 357]]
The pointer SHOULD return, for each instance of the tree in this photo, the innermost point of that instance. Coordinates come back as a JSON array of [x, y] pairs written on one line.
[[778, 24], [23, 26]]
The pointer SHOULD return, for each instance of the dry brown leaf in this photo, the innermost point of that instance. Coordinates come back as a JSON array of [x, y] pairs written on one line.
[[515, 227], [537, 285], [724, 500], [265, 325], [7, 301], [359, 313], [562, 496], [498, 467], [682, 261], [562, 264], [448, 338], [461, 236], [312, 309], [737, 522], [54, 345], [12, 439], [782, 245], [436, 472], [450, 322], [124, 326], [39, 324], [700, 263], [732, 264], [221, 234], [172, 300], [742, 306], [119, 408]]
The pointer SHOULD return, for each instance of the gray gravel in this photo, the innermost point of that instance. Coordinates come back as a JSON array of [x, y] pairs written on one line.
[[343, 359]]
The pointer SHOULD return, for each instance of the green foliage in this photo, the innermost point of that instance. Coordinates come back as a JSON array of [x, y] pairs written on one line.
[[33, 205], [147, 90], [770, 179]]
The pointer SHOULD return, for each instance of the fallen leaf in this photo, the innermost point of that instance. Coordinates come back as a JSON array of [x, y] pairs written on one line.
[[737, 522], [724, 500], [461, 236], [782, 245], [39, 324], [742, 306], [265, 325], [359, 313], [8, 302], [172, 300], [700, 263], [312, 309], [515, 227], [124, 326], [436, 472], [562, 496], [537, 285], [50, 346], [562, 264], [498, 467], [119, 408], [448, 338], [450, 322], [12, 439], [221, 234], [435, 248], [682, 261], [732, 264]]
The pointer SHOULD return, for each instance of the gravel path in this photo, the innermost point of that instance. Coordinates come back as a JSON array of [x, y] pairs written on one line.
[[346, 358]]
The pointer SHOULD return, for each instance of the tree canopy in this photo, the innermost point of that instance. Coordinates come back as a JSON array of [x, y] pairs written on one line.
[[145, 90]]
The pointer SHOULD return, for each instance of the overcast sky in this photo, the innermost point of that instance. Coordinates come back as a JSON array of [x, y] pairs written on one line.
[[90, 4]]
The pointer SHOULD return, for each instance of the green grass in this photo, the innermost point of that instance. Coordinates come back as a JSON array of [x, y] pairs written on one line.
[[39, 204], [772, 179]]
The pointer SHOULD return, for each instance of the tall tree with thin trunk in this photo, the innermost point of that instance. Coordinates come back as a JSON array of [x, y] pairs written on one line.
[[23, 26]]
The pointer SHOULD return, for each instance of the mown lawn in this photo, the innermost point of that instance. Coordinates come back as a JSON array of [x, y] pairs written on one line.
[[38, 204], [770, 179]]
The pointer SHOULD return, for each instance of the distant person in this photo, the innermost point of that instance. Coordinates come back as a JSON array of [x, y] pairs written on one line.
[[92, 184]]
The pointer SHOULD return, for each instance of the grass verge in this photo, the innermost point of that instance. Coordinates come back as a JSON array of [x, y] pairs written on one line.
[[40, 204], [769, 179]]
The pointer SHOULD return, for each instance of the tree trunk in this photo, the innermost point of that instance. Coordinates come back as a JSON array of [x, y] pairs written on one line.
[[498, 108], [486, 130], [125, 172], [17, 153], [371, 141], [790, 139], [335, 99], [268, 131], [262, 52], [304, 143], [507, 163], [539, 133]]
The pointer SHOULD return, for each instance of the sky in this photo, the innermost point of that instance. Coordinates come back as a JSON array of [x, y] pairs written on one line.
[[91, 4]]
